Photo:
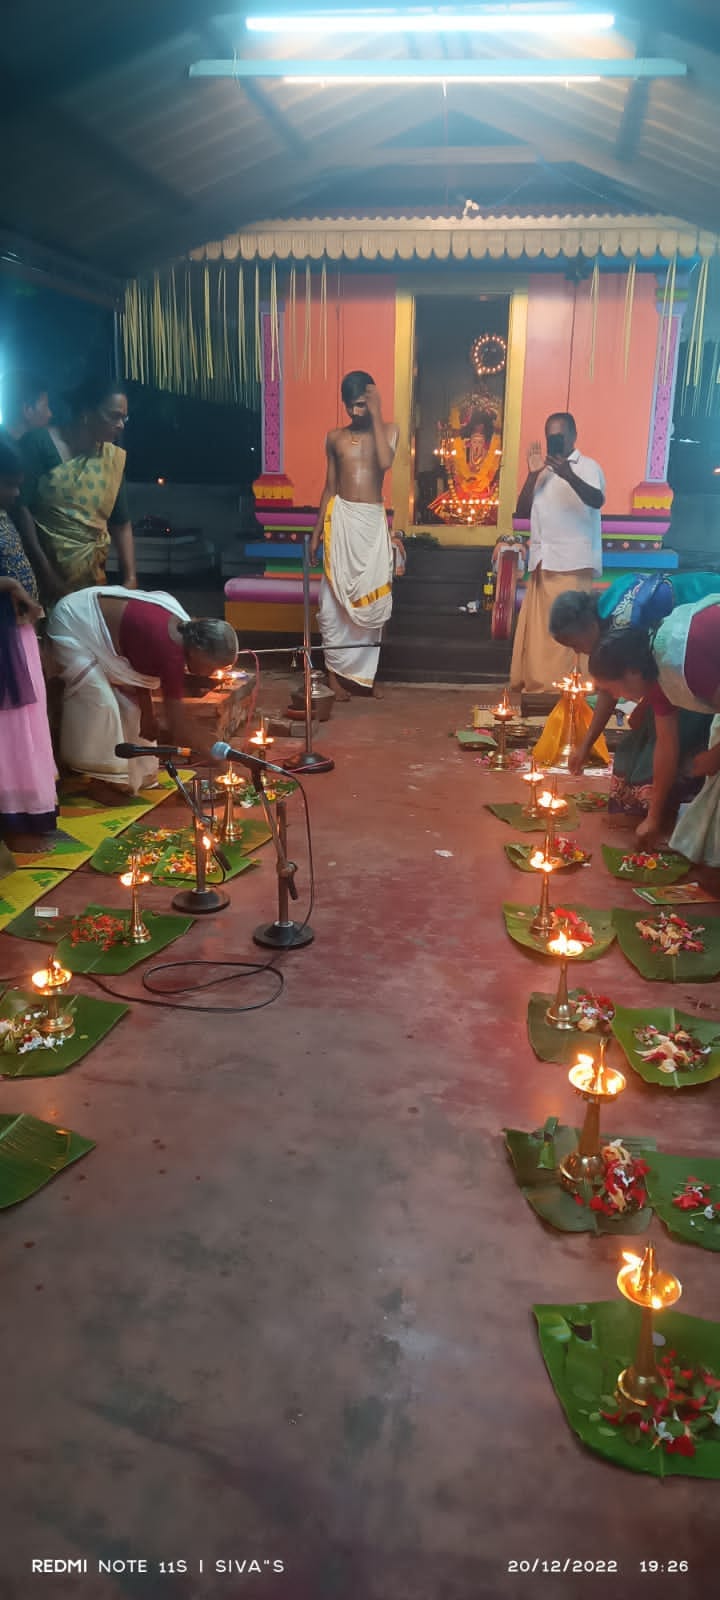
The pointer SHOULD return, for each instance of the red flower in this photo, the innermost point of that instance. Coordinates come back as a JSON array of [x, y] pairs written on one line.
[[684, 1446]]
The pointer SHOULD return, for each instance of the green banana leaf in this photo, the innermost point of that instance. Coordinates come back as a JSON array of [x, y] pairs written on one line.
[[688, 967], [113, 855], [668, 1174], [585, 1347], [556, 1044], [544, 1192], [670, 869], [475, 739], [518, 919], [33, 1152], [513, 813], [121, 957], [89, 957], [519, 855], [589, 800], [666, 1018], [42, 930], [93, 1020]]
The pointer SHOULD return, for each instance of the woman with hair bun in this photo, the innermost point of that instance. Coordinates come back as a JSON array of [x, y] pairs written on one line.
[[677, 669], [112, 648], [75, 486], [580, 621]]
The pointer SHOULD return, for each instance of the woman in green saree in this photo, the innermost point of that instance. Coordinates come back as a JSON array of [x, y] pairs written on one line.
[[75, 490]]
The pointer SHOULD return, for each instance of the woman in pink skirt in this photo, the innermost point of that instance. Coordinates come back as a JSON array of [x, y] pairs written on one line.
[[28, 804]]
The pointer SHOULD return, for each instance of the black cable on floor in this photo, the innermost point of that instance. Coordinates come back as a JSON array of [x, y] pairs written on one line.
[[238, 969]]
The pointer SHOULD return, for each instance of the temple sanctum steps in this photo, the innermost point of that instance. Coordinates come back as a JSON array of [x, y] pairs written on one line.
[[429, 638]]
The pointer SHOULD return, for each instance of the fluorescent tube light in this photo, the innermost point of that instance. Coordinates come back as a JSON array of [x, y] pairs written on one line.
[[512, 20]]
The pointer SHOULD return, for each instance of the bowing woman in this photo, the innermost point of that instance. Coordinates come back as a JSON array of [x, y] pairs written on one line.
[[677, 669]]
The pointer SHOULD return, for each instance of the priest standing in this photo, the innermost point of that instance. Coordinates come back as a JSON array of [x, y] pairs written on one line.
[[563, 495]]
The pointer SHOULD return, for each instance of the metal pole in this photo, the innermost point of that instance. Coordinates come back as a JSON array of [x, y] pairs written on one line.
[[308, 760], [306, 647]]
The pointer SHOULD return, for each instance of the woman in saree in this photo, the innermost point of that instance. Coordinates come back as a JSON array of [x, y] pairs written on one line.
[[75, 488], [581, 621], [677, 669], [28, 806]]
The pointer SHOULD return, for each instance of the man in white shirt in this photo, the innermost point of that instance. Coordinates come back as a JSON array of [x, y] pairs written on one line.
[[563, 494]]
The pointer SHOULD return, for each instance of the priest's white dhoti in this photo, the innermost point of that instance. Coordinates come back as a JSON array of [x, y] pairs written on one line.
[[356, 591]]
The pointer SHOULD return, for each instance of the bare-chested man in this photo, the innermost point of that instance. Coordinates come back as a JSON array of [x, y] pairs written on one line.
[[356, 592]]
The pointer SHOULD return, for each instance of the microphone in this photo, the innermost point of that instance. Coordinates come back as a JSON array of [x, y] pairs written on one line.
[[224, 752], [163, 751]]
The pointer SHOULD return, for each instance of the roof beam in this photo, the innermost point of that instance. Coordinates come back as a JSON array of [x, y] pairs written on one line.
[[635, 109], [258, 96], [555, 143]]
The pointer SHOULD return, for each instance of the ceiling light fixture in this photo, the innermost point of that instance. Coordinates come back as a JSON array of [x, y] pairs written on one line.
[[510, 19], [507, 70], [329, 80]]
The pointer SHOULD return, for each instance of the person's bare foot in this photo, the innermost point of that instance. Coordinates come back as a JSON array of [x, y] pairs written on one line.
[[106, 794], [376, 693], [340, 692], [29, 844]]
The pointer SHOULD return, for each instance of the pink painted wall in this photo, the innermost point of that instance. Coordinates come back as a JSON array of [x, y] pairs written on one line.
[[612, 413], [361, 333]]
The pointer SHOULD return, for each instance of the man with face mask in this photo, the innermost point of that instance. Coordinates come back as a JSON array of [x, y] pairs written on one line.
[[563, 495], [356, 592]]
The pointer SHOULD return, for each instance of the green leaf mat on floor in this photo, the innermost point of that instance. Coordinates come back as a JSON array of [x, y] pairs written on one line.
[[584, 1371], [666, 1018], [513, 813], [557, 1044], [543, 1190], [89, 957], [113, 855], [518, 919], [670, 869], [689, 966], [519, 855], [93, 1020], [21, 889], [667, 1175], [33, 1152]]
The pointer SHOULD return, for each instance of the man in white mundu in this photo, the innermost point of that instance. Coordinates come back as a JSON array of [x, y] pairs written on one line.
[[356, 591]]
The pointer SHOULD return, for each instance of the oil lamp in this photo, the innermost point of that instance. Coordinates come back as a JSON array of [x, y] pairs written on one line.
[[51, 983], [596, 1083], [229, 830], [138, 932], [544, 920], [574, 688], [553, 807], [261, 741], [533, 777], [644, 1285], [502, 714], [563, 1011]]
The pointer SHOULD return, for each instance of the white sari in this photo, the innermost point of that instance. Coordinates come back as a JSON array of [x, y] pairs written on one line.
[[356, 591], [96, 715]]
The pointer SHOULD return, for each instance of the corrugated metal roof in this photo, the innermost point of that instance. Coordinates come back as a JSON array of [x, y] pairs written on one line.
[[119, 160]]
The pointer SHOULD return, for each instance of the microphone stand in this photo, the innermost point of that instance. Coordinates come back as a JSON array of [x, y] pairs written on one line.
[[308, 760], [200, 900], [283, 933]]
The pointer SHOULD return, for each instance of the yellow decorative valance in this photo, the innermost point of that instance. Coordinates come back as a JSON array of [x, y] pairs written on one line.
[[462, 239]]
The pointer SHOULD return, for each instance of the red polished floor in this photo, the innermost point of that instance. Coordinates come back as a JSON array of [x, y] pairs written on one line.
[[282, 1313]]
